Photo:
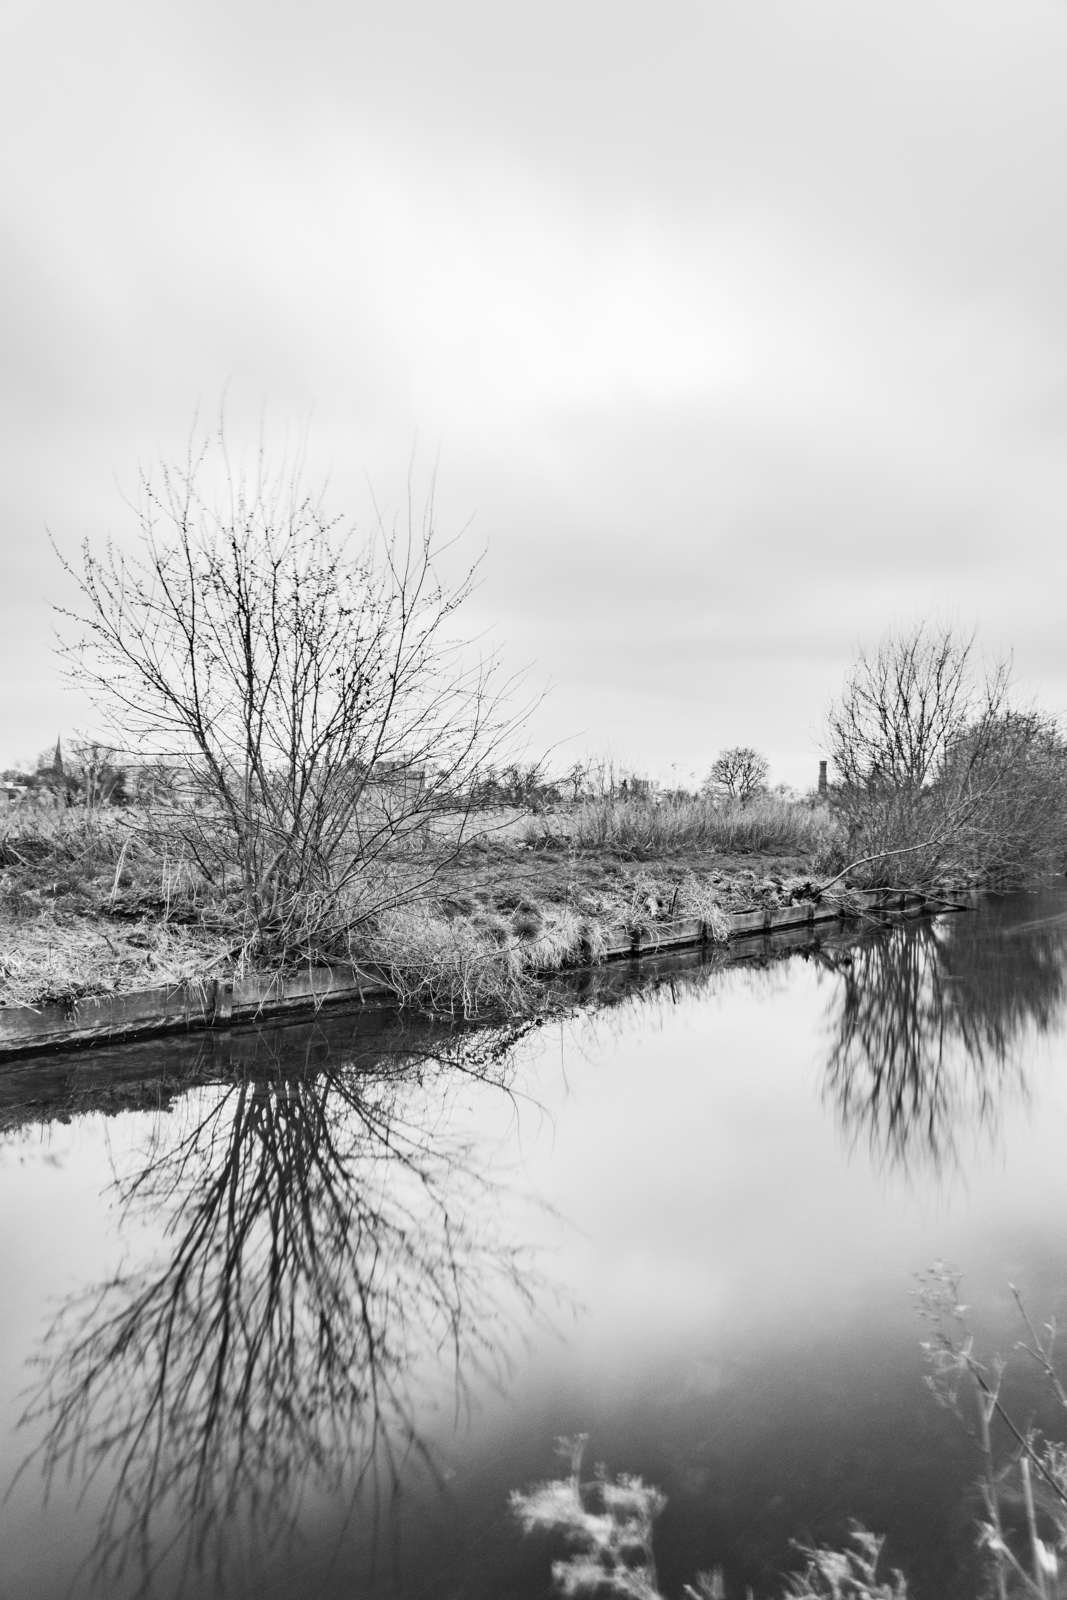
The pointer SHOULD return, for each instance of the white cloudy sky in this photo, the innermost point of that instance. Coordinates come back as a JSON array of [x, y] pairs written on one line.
[[740, 327]]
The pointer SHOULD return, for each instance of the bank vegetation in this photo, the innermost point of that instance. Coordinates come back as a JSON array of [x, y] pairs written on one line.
[[309, 762], [944, 776]]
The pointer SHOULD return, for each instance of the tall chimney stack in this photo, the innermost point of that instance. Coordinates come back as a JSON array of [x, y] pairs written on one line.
[[822, 777]]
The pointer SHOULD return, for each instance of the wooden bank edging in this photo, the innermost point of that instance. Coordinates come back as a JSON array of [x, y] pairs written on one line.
[[771, 919], [105, 1019]]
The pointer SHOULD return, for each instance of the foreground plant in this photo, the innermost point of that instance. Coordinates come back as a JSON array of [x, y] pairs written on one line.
[[607, 1523], [1024, 1563], [847, 1574]]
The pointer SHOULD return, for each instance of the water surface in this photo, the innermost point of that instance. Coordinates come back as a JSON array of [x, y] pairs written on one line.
[[291, 1311]]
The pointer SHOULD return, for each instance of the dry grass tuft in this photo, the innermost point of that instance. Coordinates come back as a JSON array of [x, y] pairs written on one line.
[[698, 898], [455, 965], [468, 964], [559, 942]]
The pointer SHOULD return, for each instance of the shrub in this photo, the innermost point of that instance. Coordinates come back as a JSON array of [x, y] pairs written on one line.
[[941, 778], [319, 714]]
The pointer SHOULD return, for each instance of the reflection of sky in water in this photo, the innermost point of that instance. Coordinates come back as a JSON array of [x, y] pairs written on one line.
[[727, 1270]]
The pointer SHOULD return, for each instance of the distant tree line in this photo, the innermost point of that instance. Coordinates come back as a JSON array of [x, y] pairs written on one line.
[[89, 774]]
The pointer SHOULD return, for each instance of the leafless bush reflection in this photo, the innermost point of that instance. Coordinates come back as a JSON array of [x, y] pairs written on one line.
[[330, 1247], [927, 1025]]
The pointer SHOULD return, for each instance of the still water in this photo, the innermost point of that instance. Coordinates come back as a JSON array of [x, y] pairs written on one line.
[[290, 1312]]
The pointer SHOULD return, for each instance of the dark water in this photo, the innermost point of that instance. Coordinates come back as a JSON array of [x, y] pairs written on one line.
[[290, 1312]]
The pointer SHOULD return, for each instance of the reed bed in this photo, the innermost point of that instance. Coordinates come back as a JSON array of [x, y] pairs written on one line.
[[767, 826]]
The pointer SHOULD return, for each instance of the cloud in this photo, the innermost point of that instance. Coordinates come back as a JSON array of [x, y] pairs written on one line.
[[741, 329]]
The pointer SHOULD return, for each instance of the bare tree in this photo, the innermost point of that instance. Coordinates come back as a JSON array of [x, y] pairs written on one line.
[[904, 708], [323, 713], [98, 771], [740, 773], [939, 775], [575, 778]]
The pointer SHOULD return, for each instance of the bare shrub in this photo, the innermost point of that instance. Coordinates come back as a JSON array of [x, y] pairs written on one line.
[[903, 709], [941, 778], [313, 709]]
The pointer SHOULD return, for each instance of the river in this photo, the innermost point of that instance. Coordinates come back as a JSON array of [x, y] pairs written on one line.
[[292, 1311]]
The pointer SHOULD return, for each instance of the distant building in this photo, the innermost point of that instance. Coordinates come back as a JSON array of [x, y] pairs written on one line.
[[14, 786], [51, 779], [637, 788]]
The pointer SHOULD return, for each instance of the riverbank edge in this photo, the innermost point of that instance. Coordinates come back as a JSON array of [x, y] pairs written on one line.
[[219, 1003]]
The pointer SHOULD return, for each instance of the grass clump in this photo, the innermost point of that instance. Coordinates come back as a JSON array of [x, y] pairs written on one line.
[[455, 965], [465, 964]]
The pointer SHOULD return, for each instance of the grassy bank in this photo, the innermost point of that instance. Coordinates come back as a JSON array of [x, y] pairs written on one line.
[[91, 902], [96, 902]]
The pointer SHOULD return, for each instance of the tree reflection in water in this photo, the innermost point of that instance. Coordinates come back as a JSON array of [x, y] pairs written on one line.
[[927, 1025], [327, 1236]]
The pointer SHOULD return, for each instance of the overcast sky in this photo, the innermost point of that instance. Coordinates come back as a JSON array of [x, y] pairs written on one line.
[[740, 328]]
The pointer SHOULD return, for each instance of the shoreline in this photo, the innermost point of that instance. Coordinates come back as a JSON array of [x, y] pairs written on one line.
[[212, 1004]]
